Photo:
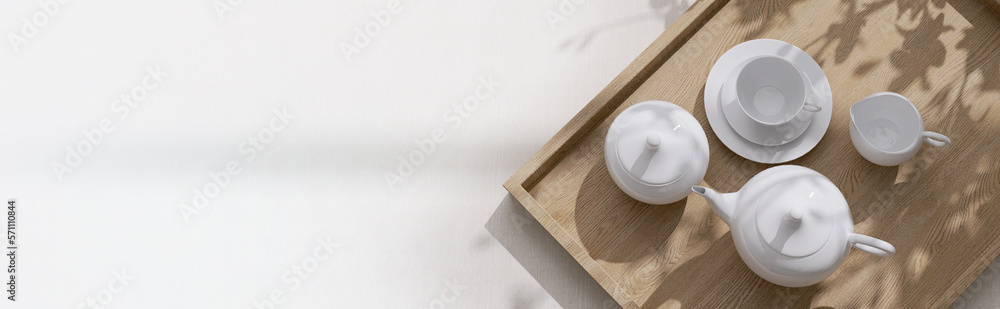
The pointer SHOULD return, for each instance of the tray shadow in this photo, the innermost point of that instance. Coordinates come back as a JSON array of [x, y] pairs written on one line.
[[720, 287], [614, 227], [545, 259]]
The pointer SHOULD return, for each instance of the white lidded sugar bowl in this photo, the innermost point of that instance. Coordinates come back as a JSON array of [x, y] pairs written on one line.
[[655, 151]]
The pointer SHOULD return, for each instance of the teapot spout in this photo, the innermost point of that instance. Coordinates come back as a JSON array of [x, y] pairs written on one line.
[[724, 205]]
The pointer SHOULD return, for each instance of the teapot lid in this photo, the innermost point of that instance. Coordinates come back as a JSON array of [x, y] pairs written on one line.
[[795, 218], [653, 144]]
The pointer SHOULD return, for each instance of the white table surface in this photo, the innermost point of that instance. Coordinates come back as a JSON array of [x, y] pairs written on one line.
[[446, 236]]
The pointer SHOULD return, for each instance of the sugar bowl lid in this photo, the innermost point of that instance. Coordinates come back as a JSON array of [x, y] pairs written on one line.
[[656, 150]]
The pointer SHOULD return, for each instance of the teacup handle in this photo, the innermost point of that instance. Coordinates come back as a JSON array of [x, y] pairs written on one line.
[[936, 139], [813, 102], [872, 245]]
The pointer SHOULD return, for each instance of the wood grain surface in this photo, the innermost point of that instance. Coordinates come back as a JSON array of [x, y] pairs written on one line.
[[994, 4], [939, 209]]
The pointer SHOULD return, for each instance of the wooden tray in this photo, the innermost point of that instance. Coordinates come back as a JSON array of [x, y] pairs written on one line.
[[939, 209]]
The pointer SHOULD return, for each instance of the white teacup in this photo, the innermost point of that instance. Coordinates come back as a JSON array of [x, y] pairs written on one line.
[[774, 100], [886, 128]]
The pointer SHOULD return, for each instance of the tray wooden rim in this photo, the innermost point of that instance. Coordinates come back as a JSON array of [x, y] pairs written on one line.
[[612, 96]]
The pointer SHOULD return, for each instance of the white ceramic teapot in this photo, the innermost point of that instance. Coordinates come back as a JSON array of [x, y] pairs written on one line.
[[791, 225]]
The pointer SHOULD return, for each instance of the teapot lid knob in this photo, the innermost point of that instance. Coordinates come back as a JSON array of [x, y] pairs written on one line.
[[653, 141], [796, 213], [792, 221]]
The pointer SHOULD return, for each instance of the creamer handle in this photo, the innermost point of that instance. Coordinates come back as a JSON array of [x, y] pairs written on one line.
[[936, 139]]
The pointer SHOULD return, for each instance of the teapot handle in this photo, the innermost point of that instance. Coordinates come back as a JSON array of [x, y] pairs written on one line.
[[872, 245]]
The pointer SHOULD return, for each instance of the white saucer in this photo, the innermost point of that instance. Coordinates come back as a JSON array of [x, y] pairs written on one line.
[[747, 149]]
